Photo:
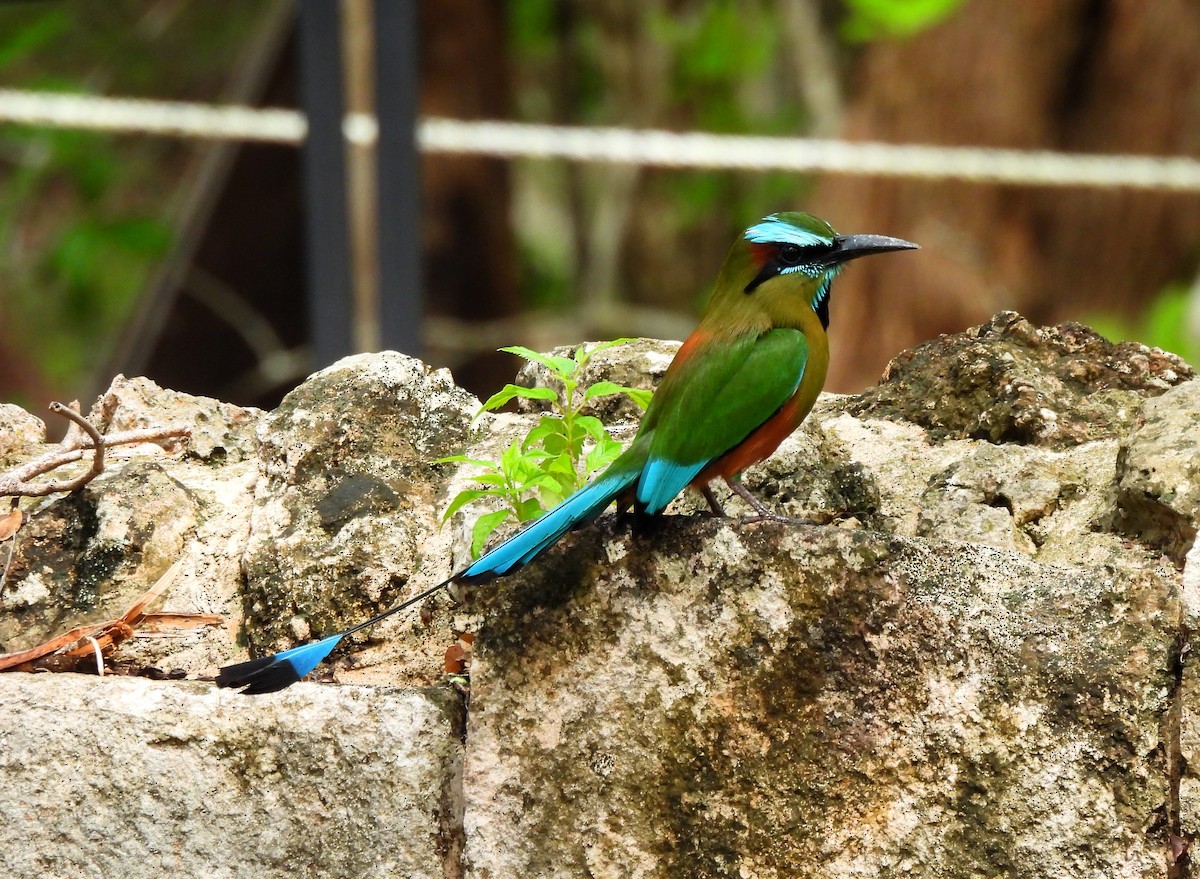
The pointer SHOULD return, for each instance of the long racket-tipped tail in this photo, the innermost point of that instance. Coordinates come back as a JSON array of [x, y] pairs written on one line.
[[280, 670]]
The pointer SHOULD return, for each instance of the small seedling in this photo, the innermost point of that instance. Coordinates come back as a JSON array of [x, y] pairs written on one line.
[[556, 457]]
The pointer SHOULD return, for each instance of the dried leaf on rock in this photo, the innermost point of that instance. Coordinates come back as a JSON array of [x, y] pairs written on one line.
[[76, 649], [10, 523]]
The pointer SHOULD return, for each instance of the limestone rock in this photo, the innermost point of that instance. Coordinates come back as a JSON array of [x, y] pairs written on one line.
[[1158, 479], [218, 430], [346, 508], [135, 778], [1008, 381], [816, 702], [19, 432], [86, 557], [980, 664]]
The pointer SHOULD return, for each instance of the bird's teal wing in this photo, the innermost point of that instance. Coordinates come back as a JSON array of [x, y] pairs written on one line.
[[724, 392]]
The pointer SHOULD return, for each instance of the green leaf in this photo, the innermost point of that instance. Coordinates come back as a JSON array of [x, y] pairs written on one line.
[[583, 355], [542, 480], [463, 459], [592, 426], [640, 397], [510, 457], [603, 389], [461, 500], [524, 469], [483, 528], [562, 367], [554, 438], [489, 479], [498, 399], [875, 19], [602, 454], [563, 470], [529, 509], [543, 430]]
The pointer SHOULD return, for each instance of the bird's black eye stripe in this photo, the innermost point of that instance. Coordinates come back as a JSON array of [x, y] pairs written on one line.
[[790, 254]]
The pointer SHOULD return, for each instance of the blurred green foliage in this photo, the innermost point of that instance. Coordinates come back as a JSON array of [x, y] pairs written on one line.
[[92, 259], [86, 217], [882, 19], [725, 66], [1169, 322]]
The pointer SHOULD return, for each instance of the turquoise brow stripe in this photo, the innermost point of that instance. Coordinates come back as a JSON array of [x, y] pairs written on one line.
[[774, 231]]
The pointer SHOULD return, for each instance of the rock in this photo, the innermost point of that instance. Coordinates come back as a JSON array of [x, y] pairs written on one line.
[[19, 433], [135, 778], [816, 702], [1158, 472], [345, 511], [1008, 381], [218, 430], [86, 557], [979, 665]]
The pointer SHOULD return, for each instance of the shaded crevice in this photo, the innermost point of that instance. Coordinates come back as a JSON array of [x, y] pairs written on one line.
[[1178, 844], [452, 819], [1146, 519]]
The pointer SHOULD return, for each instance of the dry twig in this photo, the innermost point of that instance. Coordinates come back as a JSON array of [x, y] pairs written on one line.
[[10, 525], [18, 482]]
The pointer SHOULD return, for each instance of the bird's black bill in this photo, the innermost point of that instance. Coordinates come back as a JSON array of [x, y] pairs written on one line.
[[848, 247]]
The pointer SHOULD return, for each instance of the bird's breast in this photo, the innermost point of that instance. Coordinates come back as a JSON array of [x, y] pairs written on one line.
[[762, 441]]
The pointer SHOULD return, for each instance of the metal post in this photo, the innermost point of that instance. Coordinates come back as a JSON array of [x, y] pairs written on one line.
[[330, 291], [398, 175]]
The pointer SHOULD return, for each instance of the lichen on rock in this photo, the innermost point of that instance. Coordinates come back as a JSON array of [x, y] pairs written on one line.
[[1009, 381]]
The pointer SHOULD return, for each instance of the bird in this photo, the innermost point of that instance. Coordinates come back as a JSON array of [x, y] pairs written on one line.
[[744, 380]]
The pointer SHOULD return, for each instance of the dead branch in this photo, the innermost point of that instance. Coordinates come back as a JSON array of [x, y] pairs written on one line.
[[18, 482], [97, 459]]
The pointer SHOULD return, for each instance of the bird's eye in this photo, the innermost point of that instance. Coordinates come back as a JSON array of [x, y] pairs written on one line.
[[790, 254]]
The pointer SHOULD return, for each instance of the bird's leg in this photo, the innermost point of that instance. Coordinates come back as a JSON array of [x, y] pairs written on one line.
[[762, 512], [713, 503]]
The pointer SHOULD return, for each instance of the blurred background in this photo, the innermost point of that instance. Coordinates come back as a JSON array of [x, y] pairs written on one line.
[[231, 254]]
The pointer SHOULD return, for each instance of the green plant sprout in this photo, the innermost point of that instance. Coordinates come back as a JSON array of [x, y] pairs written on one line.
[[556, 457]]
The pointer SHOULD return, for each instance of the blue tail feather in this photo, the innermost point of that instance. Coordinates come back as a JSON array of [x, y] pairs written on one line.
[[524, 546], [281, 670], [272, 673], [308, 656]]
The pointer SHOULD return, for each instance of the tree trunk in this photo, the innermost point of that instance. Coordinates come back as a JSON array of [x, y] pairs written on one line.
[[1103, 76]]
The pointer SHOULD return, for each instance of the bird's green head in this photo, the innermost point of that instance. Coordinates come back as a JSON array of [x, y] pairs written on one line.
[[785, 264]]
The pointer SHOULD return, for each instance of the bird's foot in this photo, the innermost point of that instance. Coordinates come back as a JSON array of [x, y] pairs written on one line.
[[763, 513], [776, 517]]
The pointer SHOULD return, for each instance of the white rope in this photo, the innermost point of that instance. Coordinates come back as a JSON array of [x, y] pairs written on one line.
[[696, 150], [173, 118], [619, 145]]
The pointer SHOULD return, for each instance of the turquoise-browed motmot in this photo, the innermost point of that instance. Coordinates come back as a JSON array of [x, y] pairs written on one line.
[[741, 382]]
